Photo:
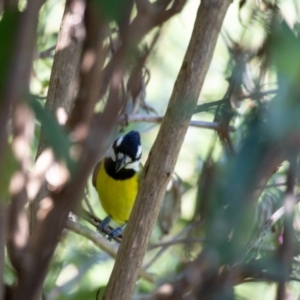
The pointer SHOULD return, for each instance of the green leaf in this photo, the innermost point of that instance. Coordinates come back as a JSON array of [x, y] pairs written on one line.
[[112, 9]]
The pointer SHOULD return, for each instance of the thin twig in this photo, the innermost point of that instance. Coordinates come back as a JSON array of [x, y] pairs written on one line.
[[46, 53], [206, 106], [95, 221], [271, 186], [259, 236], [88, 204], [165, 247], [158, 119], [101, 242], [256, 95], [175, 242], [92, 235]]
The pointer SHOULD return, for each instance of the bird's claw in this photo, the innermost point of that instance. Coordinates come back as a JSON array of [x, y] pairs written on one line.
[[103, 224], [114, 233]]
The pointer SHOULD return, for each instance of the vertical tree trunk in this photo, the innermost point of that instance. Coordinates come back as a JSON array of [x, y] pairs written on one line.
[[164, 153]]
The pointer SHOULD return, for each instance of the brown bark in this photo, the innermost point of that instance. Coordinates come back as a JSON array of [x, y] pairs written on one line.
[[14, 90], [53, 215], [164, 153], [63, 83]]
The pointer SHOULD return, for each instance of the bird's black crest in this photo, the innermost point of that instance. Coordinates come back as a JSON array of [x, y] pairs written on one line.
[[129, 145]]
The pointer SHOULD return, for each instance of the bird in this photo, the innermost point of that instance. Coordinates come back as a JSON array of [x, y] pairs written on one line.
[[116, 179]]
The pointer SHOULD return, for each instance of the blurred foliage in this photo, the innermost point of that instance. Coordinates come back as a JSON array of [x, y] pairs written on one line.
[[7, 25], [54, 134], [253, 84]]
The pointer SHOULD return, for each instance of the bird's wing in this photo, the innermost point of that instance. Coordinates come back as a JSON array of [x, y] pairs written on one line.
[[96, 170]]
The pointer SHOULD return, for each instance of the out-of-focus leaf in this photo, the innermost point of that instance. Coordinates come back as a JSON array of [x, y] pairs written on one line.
[[284, 53], [112, 10], [231, 210], [284, 46], [8, 26], [55, 135]]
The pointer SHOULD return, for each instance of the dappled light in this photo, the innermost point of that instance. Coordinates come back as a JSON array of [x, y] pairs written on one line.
[[17, 183], [37, 175], [21, 235], [62, 116], [46, 205], [57, 176]]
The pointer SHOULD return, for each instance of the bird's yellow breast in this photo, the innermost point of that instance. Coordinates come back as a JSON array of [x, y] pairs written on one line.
[[116, 196]]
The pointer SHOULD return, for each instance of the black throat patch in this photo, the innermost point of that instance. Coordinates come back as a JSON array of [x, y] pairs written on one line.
[[110, 167]]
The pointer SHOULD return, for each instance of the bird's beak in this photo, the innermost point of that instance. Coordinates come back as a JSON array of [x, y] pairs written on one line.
[[120, 164]]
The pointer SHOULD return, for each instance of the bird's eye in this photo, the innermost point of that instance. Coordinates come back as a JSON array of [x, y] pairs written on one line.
[[120, 155]]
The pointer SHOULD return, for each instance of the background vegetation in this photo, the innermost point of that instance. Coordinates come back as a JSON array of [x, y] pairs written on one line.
[[75, 75]]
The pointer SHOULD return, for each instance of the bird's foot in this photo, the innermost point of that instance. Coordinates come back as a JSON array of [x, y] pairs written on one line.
[[115, 232], [103, 224]]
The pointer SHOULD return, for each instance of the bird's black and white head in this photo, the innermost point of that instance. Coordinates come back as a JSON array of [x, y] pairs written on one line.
[[126, 152]]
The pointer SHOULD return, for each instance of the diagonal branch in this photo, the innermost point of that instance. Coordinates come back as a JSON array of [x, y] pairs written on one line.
[[101, 242], [163, 156]]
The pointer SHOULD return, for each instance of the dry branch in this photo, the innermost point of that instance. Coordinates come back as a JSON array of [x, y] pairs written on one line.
[[53, 214], [14, 89], [163, 156], [101, 242], [158, 119], [262, 231], [23, 128]]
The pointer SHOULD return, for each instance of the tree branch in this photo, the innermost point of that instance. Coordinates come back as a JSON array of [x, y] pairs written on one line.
[[54, 210], [158, 119], [259, 236], [101, 242], [14, 87], [63, 83], [163, 156], [146, 19]]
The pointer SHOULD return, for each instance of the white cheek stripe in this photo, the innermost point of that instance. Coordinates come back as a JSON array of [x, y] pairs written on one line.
[[133, 165], [139, 151]]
